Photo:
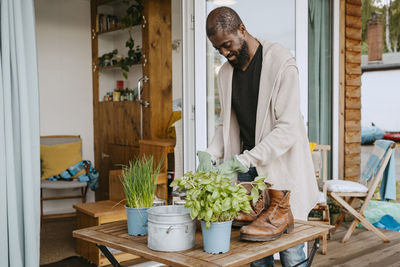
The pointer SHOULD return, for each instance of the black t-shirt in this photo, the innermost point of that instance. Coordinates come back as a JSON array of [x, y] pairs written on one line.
[[245, 87]]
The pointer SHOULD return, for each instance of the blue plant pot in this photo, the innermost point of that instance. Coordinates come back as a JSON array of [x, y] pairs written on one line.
[[217, 238], [137, 221]]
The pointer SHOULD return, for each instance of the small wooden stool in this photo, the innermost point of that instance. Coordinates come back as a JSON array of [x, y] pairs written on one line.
[[98, 213]]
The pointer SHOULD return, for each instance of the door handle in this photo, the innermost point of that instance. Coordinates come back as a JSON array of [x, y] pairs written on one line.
[[104, 155]]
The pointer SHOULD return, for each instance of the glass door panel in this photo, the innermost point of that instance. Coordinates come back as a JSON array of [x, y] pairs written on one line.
[[267, 20]]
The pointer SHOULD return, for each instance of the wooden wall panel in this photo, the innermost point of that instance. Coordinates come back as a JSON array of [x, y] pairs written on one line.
[[352, 137], [352, 126], [353, 68], [353, 57], [352, 172], [354, 2], [353, 91], [157, 33], [353, 102], [353, 159], [353, 10], [353, 22], [353, 33], [353, 45], [353, 149], [351, 99]]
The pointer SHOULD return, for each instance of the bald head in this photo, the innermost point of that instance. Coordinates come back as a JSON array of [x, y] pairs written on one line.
[[222, 19]]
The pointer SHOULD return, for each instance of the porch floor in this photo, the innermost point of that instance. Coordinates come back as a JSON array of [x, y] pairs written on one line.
[[363, 249]]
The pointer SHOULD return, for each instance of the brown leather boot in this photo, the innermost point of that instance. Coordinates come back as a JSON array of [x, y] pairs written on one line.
[[270, 224], [256, 208]]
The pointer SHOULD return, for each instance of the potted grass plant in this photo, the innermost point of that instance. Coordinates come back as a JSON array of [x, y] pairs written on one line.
[[139, 180], [214, 201]]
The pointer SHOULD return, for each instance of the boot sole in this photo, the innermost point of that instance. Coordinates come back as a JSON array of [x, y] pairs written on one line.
[[239, 224], [288, 229]]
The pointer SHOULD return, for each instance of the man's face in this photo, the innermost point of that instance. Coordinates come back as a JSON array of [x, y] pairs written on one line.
[[232, 46]]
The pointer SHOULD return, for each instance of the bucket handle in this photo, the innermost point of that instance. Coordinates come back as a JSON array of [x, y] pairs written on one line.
[[172, 228]]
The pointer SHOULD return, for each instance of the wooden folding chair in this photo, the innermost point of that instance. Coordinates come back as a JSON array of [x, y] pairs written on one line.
[[72, 186], [345, 199], [320, 161]]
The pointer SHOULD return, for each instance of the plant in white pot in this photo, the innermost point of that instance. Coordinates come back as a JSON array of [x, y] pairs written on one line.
[[214, 201], [139, 180]]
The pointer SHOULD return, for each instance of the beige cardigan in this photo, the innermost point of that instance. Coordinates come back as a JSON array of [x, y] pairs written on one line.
[[282, 151]]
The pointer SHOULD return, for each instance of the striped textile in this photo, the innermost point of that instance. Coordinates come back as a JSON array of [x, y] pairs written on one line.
[[374, 161]]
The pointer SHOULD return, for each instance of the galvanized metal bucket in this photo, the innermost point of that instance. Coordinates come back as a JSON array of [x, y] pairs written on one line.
[[170, 228]]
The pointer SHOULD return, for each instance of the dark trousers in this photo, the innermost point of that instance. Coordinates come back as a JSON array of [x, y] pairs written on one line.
[[289, 257]]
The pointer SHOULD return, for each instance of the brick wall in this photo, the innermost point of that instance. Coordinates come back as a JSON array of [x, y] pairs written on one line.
[[375, 42]]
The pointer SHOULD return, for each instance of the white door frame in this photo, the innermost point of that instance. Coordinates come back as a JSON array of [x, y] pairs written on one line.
[[302, 54], [188, 90], [335, 89]]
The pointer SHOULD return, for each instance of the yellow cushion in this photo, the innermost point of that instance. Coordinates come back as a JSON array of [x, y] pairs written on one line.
[[312, 146], [175, 116], [57, 158]]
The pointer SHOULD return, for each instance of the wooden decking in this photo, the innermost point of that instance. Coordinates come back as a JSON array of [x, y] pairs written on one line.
[[363, 249]]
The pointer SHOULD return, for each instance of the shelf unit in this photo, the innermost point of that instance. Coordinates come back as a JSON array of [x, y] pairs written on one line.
[[116, 124]]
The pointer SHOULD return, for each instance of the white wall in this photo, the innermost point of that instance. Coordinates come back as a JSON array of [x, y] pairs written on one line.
[[380, 94], [65, 77]]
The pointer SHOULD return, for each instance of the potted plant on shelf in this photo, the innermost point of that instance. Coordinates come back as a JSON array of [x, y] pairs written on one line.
[[213, 200], [139, 180]]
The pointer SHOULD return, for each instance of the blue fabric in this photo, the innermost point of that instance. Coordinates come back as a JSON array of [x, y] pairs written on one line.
[[377, 209], [388, 185], [91, 176], [374, 161], [19, 136], [389, 223], [387, 190], [289, 257], [370, 134]]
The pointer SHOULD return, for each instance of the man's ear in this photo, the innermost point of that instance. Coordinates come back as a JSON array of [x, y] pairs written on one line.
[[242, 29]]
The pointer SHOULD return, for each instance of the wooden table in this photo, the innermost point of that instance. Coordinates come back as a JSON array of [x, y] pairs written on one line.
[[115, 235]]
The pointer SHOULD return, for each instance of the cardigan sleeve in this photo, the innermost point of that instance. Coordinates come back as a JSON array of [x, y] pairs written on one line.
[[286, 107]]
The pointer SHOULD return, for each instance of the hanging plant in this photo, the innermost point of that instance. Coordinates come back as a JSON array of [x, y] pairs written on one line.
[[133, 14], [134, 57], [132, 17]]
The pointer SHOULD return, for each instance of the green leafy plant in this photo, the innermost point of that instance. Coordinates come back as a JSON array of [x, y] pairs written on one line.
[[212, 198], [139, 180], [133, 14], [107, 56], [132, 17], [333, 207], [134, 56]]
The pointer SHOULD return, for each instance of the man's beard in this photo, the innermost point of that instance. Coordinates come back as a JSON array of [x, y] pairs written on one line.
[[242, 57]]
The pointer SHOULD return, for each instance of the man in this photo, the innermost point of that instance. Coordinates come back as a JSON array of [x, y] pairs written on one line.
[[261, 129]]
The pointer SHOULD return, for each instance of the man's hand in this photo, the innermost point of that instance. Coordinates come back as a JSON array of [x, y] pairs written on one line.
[[230, 168], [205, 161]]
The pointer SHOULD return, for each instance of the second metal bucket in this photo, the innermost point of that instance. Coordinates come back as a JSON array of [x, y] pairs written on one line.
[[170, 228]]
